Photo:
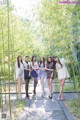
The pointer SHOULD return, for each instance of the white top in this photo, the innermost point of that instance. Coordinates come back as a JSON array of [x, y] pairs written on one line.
[[58, 66], [35, 65], [62, 71], [19, 69], [63, 62], [26, 65]]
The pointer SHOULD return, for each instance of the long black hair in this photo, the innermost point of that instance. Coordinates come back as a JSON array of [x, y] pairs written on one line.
[[48, 61], [18, 62], [58, 61], [42, 62], [32, 59], [54, 62]]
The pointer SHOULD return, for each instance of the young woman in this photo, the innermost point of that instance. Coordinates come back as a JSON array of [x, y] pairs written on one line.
[[62, 75], [42, 73], [26, 74], [34, 75], [49, 71], [19, 74]]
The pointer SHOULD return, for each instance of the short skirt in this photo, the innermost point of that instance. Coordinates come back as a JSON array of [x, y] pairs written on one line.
[[27, 75], [63, 73], [49, 74], [20, 74], [41, 74], [34, 74]]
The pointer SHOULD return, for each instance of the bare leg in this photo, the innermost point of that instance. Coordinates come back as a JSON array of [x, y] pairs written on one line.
[[63, 81], [61, 88], [50, 86], [19, 87], [42, 85], [50, 83]]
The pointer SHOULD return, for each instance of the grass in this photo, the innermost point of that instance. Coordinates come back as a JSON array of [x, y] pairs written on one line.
[[67, 88], [74, 107], [20, 104], [17, 107], [75, 104]]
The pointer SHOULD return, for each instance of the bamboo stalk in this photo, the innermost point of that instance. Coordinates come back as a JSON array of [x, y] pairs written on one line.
[[72, 65], [3, 61], [13, 54], [1, 92], [8, 25]]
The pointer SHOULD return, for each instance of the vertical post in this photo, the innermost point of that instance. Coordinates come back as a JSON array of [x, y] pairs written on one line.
[[8, 25], [3, 61], [1, 90]]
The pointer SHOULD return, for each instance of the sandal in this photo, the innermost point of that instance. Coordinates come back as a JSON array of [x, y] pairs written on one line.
[[59, 97], [62, 98], [50, 97]]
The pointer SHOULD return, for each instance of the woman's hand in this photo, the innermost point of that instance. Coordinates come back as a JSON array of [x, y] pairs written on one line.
[[50, 70], [37, 68], [41, 68], [46, 68], [29, 70]]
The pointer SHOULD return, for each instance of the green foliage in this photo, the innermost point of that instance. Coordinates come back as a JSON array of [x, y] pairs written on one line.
[[56, 26], [52, 31], [75, 105], [20, 104]]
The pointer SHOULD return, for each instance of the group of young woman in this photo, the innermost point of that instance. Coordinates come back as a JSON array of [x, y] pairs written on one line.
[[44, 69]]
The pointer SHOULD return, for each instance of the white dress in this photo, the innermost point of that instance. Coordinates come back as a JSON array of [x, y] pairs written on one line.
[[19, 71], [62, 71]]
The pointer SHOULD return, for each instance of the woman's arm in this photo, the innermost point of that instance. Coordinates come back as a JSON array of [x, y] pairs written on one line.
[[35, 68], [49, 69], [27, 69], [42, 68]]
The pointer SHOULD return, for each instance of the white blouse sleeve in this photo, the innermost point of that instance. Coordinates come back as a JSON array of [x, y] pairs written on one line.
[[24, 64], [58, 66], [63, 61], [16, 70]]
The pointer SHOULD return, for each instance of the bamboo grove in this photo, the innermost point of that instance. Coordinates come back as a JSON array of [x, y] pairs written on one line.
[[53, 31]]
